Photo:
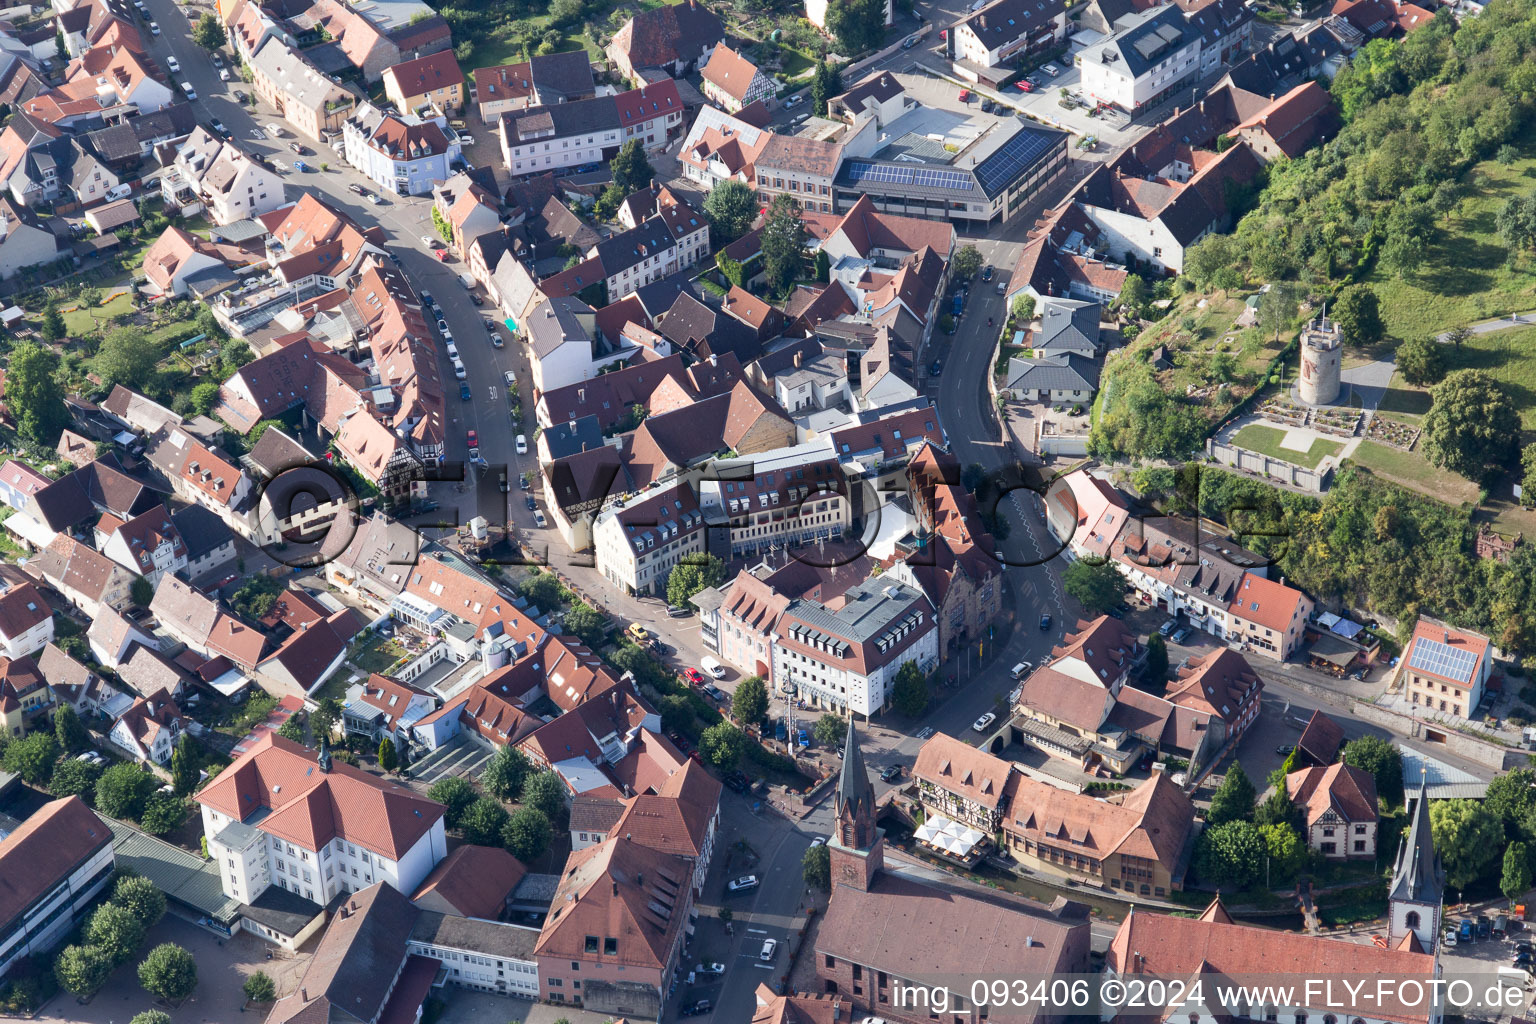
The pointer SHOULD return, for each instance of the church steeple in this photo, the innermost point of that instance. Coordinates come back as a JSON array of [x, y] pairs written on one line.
[[855, 803], [1418, 878], [857, 846]]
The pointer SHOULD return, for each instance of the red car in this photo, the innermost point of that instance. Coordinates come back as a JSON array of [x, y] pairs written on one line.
[[1025, 85], [693, 677], [472, 438], [965, 95]]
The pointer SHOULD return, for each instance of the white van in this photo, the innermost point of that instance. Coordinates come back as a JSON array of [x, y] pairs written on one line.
[[712, 667], [467, 281], [1513, 977]]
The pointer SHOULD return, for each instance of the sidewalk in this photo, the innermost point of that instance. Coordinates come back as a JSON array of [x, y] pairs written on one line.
[[1496, 324]]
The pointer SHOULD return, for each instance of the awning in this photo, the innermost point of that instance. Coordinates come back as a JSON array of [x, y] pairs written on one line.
[[511, 324], [950, 836]]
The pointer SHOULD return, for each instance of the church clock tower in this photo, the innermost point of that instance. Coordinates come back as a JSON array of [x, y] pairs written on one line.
[[1418, 882]]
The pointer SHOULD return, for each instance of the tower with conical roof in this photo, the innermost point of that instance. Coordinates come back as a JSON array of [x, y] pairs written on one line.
[[858, 846], [1418, 881]]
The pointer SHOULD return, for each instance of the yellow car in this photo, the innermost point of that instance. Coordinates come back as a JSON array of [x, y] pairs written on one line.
[[637, 631]]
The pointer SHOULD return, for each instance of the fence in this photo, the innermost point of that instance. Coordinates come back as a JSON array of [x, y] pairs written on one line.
[[1275, 469]]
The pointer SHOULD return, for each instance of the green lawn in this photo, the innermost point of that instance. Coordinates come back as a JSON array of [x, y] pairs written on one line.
[[377, 653], [1510, 356], [1412, 470], [83, 321], [1465, 278], [1404, 401], [1266, 441]]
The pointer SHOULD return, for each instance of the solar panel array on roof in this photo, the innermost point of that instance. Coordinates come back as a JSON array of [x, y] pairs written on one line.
[[1442, 659], [928, 177], [1012, 158]]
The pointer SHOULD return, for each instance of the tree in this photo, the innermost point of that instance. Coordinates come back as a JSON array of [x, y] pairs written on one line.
[[966, 262], [454, 792], [631, 170], [544, 591], [1516, 223], [1458, 335], [1155, 670], [53, 323], [259, 988], [1470, 425], [1419, 361], [819, 94], [1023, 308], [32, 758], [1383, 760], [116, 931], [1231, 854], [823, 266], [816, 867], [151, 1017], [731, 207], [1528, 473], [204, 397], [127, 356], [168, 972], [75, 778], [1233, 799], [1287, 851], [857, 25], [162, 813], [587, 623], [1096, 583], [688, 578], [140, 897], [910, 692], [1133, 295], [546, 791], [750, 702], [1276, 809], [322, 721], [1278, 308], [1516, 880], [783, 243], [526, 834], [1358, 315], [730, 269], [1467, 838], [387, 758], [505, 773], [973, 476], [141, 592], [34, 395], [829, 730], [483, 821], [208, 32], [68, 730], [122, 790], [604, 208], [722, 745], [676, 713], [81, 970], [257, 596]]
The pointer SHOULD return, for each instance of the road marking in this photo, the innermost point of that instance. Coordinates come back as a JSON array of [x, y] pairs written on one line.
[[763, 967], [757, 931]]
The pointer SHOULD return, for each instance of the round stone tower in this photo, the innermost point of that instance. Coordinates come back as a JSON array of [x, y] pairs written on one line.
[[1321, 348]]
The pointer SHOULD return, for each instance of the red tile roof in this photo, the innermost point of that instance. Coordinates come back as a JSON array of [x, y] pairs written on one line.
[[473, 881], [1348, 792], [311, 807], [44, 850]]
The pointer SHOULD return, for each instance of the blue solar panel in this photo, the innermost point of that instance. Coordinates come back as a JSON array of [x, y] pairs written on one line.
[[1012, 158], [928, 177], [1442, 659]]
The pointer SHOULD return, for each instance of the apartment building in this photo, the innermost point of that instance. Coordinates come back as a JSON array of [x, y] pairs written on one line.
[[844, 657], [551, 138], [732, 82], [653, 113], [228, 184], [150, 728], [782, 498], [1338, 807], [1151, 54], [542, 80], [801, 168], [432, 81], [1005, 28], [148, 544], [26, 621], [401, 153], [637, 543], [309, 101]]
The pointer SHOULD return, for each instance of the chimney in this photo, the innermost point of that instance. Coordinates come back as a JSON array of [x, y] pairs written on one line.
[[712, 359], [615, 888], [1447, 635], [303, 995], [797, 360]]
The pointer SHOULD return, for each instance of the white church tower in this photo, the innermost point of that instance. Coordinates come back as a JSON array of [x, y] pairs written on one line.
[[1418, 882]]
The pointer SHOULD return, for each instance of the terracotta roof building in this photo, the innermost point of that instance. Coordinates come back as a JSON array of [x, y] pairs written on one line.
[[732, 82], [472, 881], [676, 38], [150, 728], [279, 797], [1320, 741], [1446, 670], [1338, 805]]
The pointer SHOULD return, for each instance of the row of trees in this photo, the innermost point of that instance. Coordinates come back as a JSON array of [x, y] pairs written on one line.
[[112, 936]]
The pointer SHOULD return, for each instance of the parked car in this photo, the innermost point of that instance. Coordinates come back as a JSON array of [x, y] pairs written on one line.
[[937, 369], [464, 393], [502, 483], [709, 970], [358, 189], [154, 28], [770, 950], [539, 520], [909, 42], [218, 128], [458, 370], [275, 130], [890, 773], [965, 96], [530, 503], [299, 148], [1045, 623], [1025, 85], [715, 693], [694, 676], [696, 1009], [173, 64], [522, 444], [1167, 627], [224, 74], [745, 883], [216, 59], [1180, 635], [986, 105], [1051, 69], [1284, 750], [191, 93], [510, 377], [818, 841], [981, 724], [472, 438]]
